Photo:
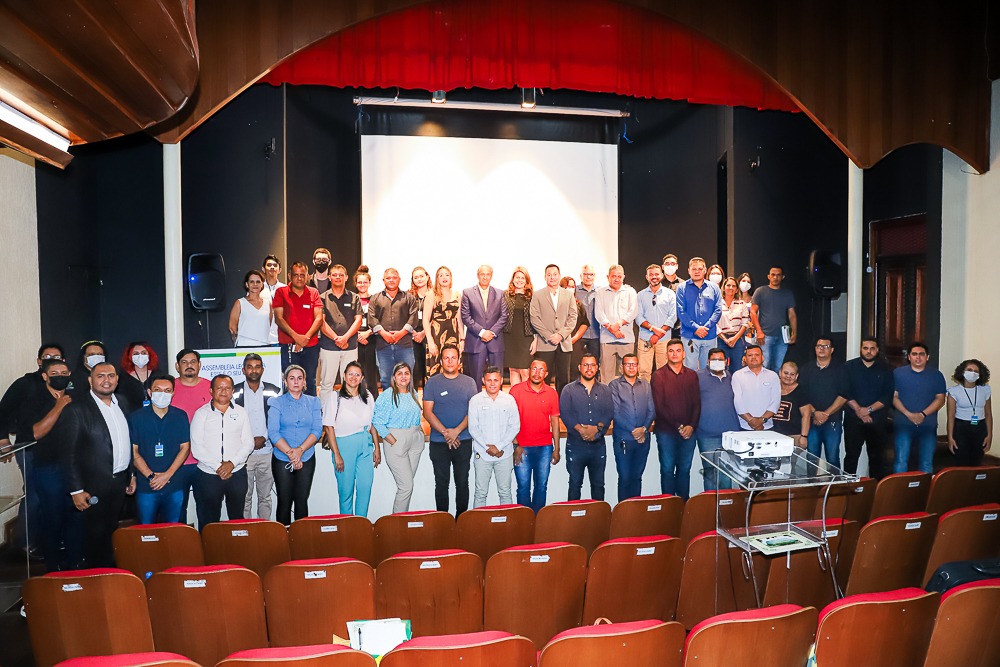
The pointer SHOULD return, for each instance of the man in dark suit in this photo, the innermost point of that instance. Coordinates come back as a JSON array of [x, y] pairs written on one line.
[[484, 313], [98, 467]]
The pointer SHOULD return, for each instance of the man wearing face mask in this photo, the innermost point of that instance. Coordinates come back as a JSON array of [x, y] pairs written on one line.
[[161, 440], [321, 263], [37, 419], [718, 414], [92, 353]]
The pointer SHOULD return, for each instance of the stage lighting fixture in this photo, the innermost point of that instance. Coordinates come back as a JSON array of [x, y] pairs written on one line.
[[438, 97], [527, 98]]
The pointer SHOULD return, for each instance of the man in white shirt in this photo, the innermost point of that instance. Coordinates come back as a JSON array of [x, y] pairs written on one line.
[[272, 281], [493, 424], [756, 392], [615, 307], [252, 394], [221, 440]]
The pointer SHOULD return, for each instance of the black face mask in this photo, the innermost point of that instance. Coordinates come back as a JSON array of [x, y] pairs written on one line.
[[321, 266], [59, 382]]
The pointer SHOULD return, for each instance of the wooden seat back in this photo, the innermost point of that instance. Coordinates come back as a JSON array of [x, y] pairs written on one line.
[[636, 644], [851, 501], [953, 488], [967, 629], [634, 579], [969, 533], [778, 636], [321, 655], [413, 531], [804, 577], [716, 579], [334, 536], [647, 515], [150, 659], [143, 550], [485, 531], [892, 553], [901, 493], [700, 512], [583, 522], [256, 544], [477, 649]]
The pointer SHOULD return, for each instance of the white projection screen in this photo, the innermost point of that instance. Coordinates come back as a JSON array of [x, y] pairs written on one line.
[[461, 202]]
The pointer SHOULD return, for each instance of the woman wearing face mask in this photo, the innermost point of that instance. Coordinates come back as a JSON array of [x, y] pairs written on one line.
[[715, 275], [366, 344], [161, 438], [92, 353], [139, 363], [745, 285], [251, 317], [733, 324], [794, 414], [294, 426], [420, 287], [970, 413], [347, 421]]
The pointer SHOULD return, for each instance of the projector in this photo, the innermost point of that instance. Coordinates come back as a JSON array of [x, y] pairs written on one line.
[[749, 446]]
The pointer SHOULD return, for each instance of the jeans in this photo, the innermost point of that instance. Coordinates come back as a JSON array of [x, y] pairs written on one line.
[[536, 463], [293, 488], [774, 349], [486, 467], [389, 356], [675, 462], [734, 354], [444, 458], [926, 437], [591, 457], [826, 438], [308, 358], [630, 461], [29, 517], [210, 491], [696, 351], [57, 507], [184, 478], [354, 485], [159, 507], [709, 443]]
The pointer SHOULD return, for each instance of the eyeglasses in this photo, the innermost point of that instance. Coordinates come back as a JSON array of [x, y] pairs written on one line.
[[824, 346], [52, 356]]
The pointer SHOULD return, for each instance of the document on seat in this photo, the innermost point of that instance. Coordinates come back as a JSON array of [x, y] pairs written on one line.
[[378, 637], [780, 542]]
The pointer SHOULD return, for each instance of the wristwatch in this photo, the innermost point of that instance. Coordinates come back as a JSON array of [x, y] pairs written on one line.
[[150, 476]]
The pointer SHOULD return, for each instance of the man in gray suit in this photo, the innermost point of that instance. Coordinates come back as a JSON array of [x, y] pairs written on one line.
[[553, 317], [484, 313]]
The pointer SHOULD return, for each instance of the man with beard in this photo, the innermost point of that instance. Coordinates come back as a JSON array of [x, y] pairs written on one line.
[[191, 391], [537, 443], [299, 314], [253, 395], [870, 388], [586, 409], [634, 412], [677, 399]]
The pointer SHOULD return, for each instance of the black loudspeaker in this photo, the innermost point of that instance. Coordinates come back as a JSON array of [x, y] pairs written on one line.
[[207, 281], [825, 273]]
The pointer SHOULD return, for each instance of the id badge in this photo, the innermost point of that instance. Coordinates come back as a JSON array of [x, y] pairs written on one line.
[[158, 450], [974, 421]]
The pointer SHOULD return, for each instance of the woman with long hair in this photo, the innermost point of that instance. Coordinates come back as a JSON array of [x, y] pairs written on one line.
[[366, 344], [970, 413], [250, 318], [419, 288], [746, 284], [582, 323], [442, 319], [139, 363], [294, 426], [518, 336], [347, 421], [733, 324], [397, 421]]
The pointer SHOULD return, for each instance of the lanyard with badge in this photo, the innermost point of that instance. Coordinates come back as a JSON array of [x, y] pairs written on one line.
[[973, 400], [158, 450]]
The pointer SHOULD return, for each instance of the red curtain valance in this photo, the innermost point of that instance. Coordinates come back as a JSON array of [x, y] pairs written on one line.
[[589, 45]]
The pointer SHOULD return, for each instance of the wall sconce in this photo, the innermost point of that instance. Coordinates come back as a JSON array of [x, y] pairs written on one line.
[[438, 97], [527, 98]]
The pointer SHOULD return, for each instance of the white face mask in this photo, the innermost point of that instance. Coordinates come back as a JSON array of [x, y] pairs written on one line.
[[716, 365], [715, 278], [971, 376], [670, 270], [140, 360], [94, 359], [744, 286], [160, 399]]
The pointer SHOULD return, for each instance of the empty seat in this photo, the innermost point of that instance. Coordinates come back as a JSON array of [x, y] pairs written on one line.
[[970, 533], [256, 544], [308, 601], [967, 629], [716, 579], [486, 530], [892, 553], [901, 493], [957, 487], [636, 644], [700, 510], [634, 579], [647, 515], [334, 536], [207, 612], [781, 506], [70, 613], [804, 577], [778, 636], [321, 655], [441, 592], [143, 550], [151, 659], [888, 629], [583, 522], [478, 649], [851, 501], [535, 590], [413, 531]]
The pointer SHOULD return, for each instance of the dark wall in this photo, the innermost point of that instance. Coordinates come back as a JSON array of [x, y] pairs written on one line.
[[233, 199], [789, 197], [100, 246]]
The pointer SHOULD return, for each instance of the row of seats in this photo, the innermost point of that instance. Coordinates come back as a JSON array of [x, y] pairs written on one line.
[[902, 627]]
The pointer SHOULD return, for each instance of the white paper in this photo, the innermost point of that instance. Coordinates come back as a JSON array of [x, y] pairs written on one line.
[[378, 637]]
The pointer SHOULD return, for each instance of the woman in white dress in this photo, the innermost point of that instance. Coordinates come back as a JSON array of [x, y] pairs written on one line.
[[250, 318]]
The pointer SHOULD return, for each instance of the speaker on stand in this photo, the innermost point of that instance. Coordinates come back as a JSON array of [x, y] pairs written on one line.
[[206, 282], [825, 279]]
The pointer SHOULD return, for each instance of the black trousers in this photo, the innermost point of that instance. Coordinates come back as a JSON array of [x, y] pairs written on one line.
[[293, 487], [210, 491], [969, 440], [88, 536], [369, 365], [557, 362], [876, 435], [444, 459]]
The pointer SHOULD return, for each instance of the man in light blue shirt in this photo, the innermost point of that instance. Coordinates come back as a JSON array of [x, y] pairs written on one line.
[[699, 307], [614, 308], [493, 424], [657, 314]]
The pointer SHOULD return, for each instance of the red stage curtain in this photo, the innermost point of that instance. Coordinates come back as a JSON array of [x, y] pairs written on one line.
[[589, 45]]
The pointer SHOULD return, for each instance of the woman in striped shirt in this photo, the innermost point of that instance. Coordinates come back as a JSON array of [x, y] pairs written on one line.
[[397, 420], [733, 324]]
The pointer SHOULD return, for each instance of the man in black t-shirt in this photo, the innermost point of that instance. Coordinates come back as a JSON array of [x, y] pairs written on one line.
[[338, 342]]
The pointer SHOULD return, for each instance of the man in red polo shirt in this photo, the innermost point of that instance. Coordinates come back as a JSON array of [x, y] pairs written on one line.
[[299, 314], [537, 444]]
